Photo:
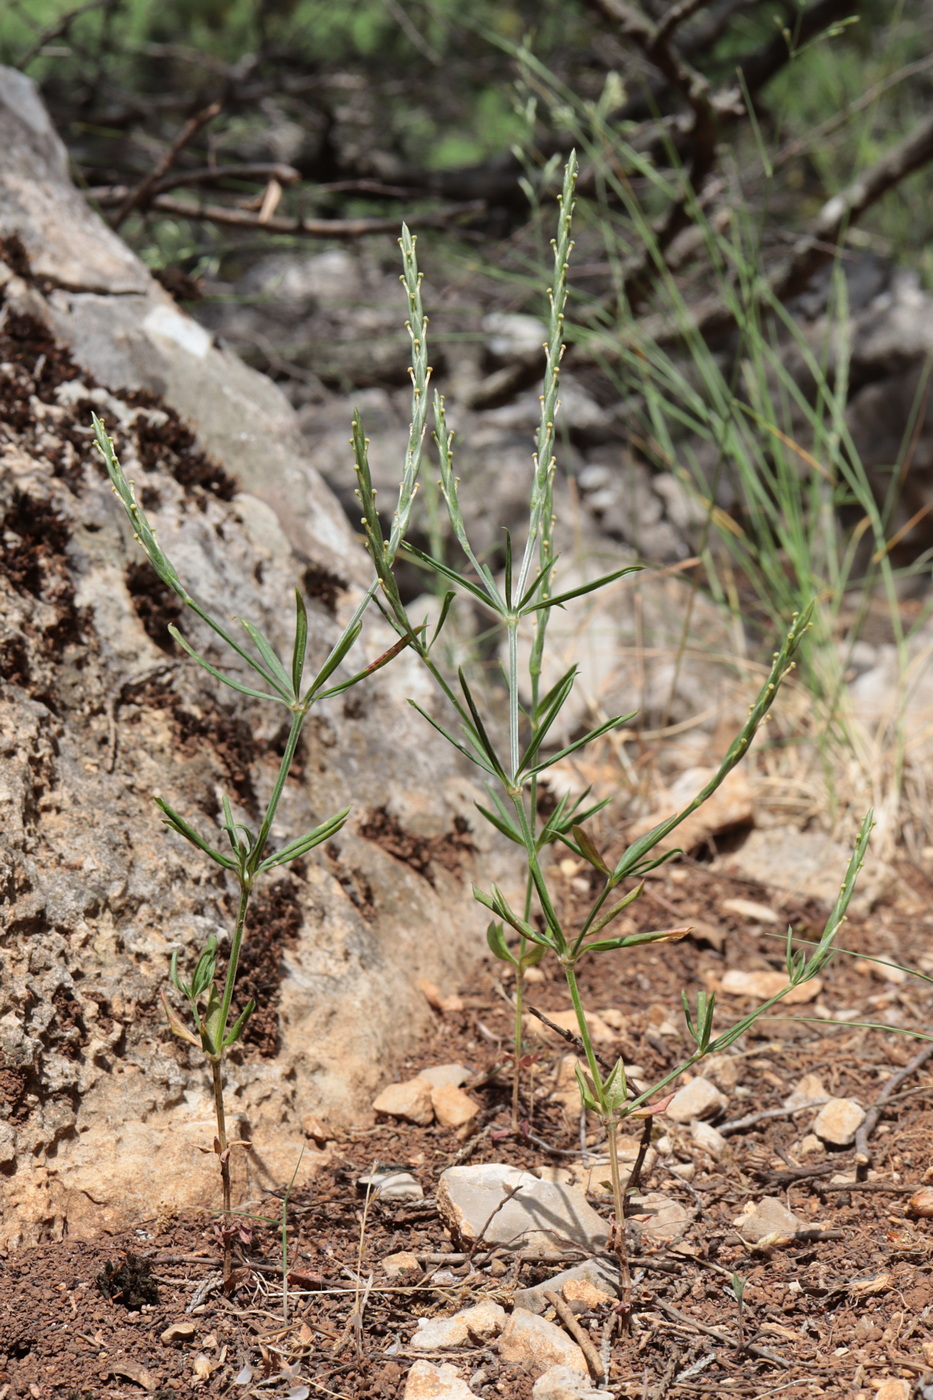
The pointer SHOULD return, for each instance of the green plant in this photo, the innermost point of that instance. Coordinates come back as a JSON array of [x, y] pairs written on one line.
[[213, 1027], [511, 768]]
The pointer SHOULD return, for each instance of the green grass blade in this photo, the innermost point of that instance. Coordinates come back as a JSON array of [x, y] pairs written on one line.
[[301, 643]]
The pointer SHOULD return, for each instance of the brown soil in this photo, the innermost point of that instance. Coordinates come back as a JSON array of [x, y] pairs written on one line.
[[841, 1308]]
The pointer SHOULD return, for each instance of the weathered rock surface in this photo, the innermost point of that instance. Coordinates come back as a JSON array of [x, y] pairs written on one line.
[[100, 711], [698, 1099], [541, 1215], [466, 1328], [760, 1220], [427, 1382], [537, 1345], [565, 1383]]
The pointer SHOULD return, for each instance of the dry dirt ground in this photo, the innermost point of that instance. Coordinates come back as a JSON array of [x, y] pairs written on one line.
[[843, 1308]]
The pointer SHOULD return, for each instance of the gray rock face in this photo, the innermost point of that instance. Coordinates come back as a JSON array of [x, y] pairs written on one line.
[[545, 1216], [99, 712]]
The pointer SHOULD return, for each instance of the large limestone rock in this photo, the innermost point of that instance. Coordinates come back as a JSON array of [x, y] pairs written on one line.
[[102, 1111]]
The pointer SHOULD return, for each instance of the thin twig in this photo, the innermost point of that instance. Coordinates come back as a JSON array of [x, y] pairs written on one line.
[[718, 1335], [864, 1132], [138, 195], [738, 1125], [311, 228], [571, 1325]]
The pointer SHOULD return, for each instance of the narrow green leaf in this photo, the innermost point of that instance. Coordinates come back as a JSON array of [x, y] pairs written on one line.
[[176, 1024], [239, 1025], [485, 743], [334, 659], [511, 832], [219, 675], [636, 940], [301, 643], [580, 743], [560, 599], [605, 919], [185, 829], [473, 756], [373, 666], [544, 723], [445, 609], [438, 567], [508, 569], [302, 844], [540, 579], [267, 652]]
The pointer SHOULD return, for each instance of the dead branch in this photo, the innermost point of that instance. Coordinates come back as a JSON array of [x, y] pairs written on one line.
[[310, 228], [138, 196]]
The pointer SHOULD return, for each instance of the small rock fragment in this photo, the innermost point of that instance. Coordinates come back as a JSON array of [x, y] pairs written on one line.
[[539, 1216], [807, 1090], [698, 1099], [708, 1139], [473, 1325], [537, 1345], [893, 1390], [580, 1295], [659, 1218], [392, 1186], [179, 1332], [410, 1101], [316, 1130], [427, 1382], [809, 1145], [445, 1074], [767, 1219], [598, 1274], [445, 1005], [838, 1121], [921, 1203], [396, 1265], [722, 1069], [750, 909], [452, 1107], [762, 985], [565, 1383]]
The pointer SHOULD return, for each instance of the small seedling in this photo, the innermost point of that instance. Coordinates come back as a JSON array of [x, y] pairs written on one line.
[[212, 1027], [524, 595]]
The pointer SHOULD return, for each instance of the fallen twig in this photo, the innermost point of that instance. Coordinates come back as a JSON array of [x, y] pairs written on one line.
[[571, 1325], [191, 128], [862, 1154]]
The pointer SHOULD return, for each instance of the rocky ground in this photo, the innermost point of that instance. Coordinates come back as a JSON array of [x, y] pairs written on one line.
[[806, 1174]]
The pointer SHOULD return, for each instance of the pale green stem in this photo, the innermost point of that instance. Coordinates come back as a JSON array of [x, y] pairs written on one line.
[[230, 983], [288, 757], [217, 1076]]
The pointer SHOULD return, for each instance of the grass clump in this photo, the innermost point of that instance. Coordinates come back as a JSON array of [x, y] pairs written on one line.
[[512, 766]]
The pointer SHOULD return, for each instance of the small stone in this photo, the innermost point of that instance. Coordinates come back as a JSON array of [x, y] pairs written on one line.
[[893, 1390], [685, 1170], [179, 1332], [580, 1295], [538, 1217], [658, 1218], [709, 1139], [722, 1069], [445, 1074], [427, 1382], [767, 1219], [445, 1005], [316, 1129], [838, 1121], [410, 1101], [750, 909], [762, 985], [396, 1265], [537, 1345], [807, 1090], [565, 1383], [809, 1145], [598, 1274], [921, 1203], [392, 1186], [452, 1107], [469, 1327], [698, 1099]]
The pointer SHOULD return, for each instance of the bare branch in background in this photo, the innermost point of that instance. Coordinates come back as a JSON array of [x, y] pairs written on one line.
[[139, 195]]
